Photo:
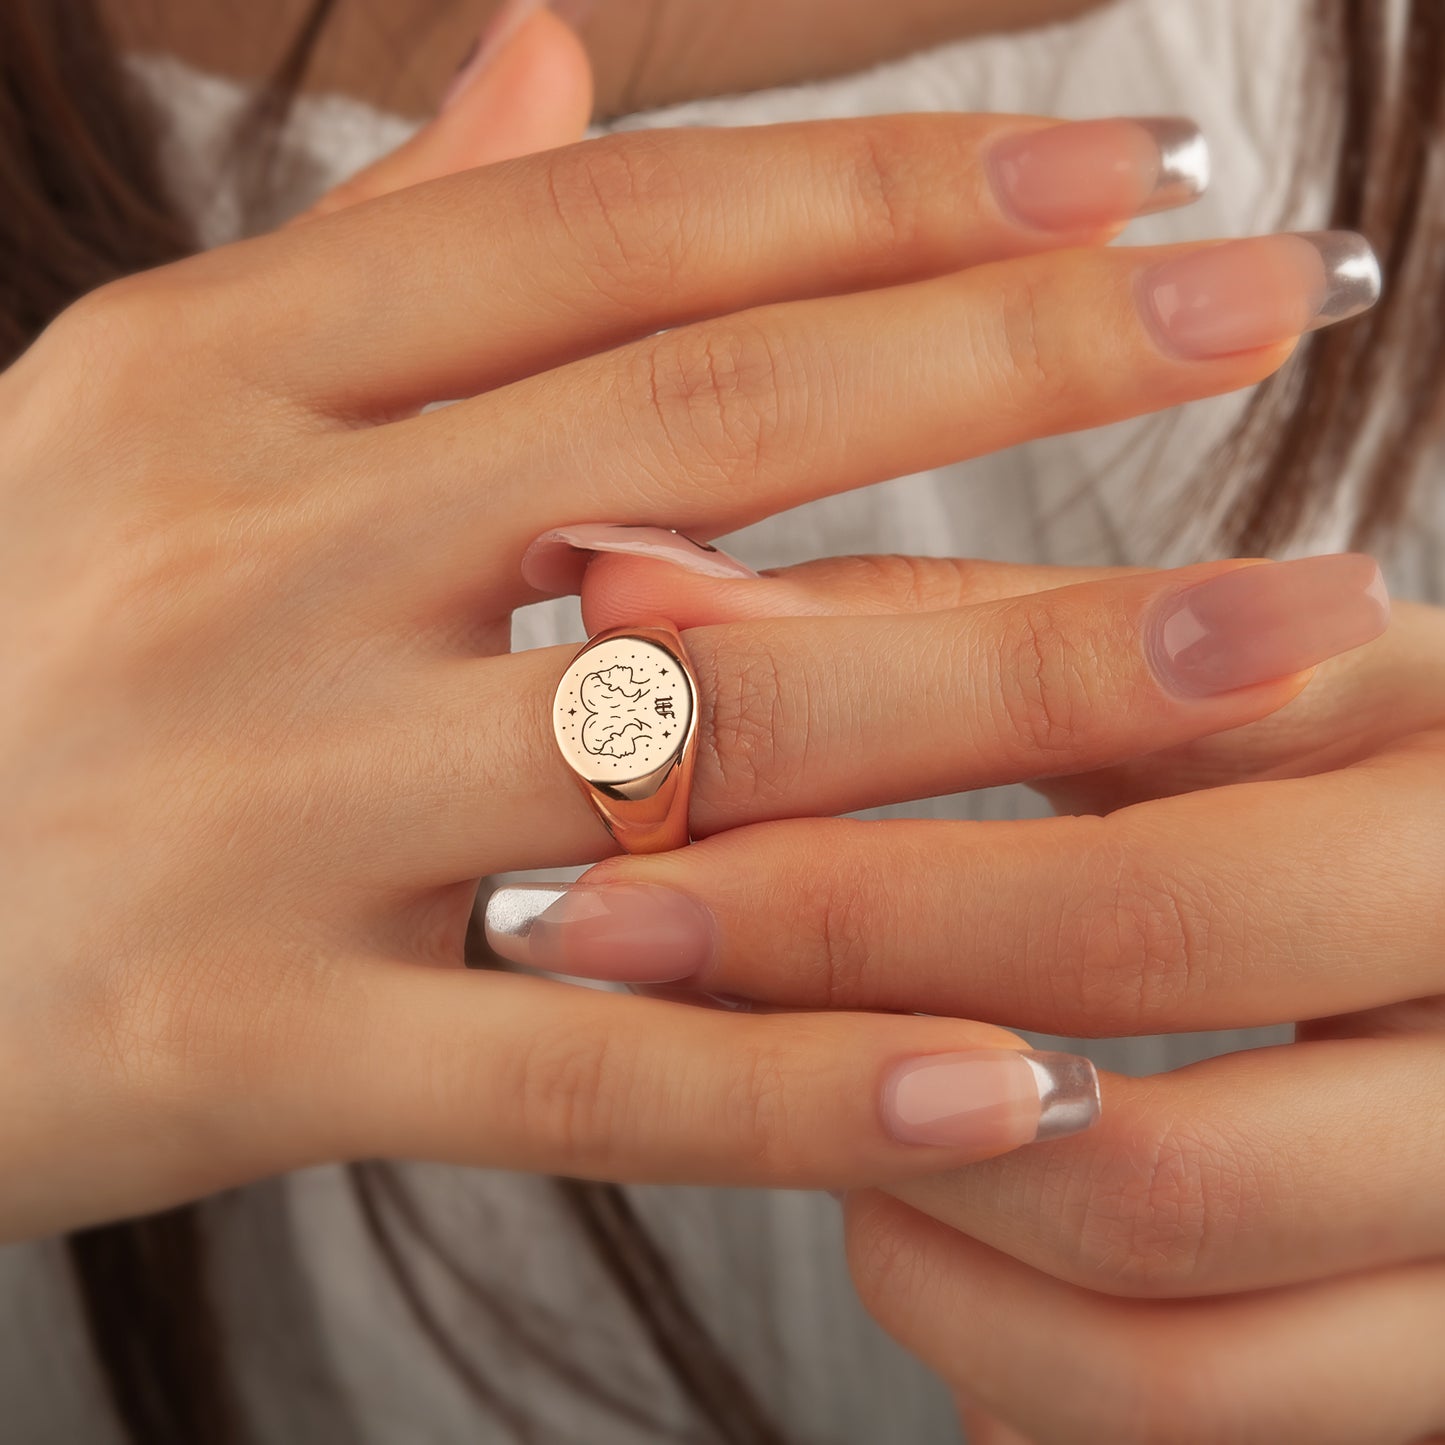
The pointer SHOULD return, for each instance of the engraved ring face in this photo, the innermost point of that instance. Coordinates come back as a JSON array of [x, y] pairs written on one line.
[[623, 711]]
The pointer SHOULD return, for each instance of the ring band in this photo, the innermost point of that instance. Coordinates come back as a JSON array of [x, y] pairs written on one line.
[[625, 716]]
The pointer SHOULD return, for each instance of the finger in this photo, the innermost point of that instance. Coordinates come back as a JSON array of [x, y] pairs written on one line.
[[1355, 705], [627, 572], [1247, 1171], [1334, 1363], [801, 716], [1356, 702], [715, 425], [533, 92], [430, 295], [521, 1073], [1238, 907]]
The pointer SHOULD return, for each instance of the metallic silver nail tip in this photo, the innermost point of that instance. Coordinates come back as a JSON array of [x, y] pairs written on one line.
[[511, 912], [1068, 1092], [1352, 274], [1183, 162]]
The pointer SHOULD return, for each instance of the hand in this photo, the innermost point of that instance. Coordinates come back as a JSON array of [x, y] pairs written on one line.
[[1285, 870], [263, 733]]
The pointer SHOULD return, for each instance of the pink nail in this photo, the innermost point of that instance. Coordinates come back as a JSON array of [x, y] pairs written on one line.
[[556, 561], [511, 15], [1246, 294], [1092, 173], [1264, 621], [987, 1101], [629, 932]]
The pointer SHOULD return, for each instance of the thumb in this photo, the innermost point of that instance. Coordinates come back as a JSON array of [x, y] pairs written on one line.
[[526, 87]]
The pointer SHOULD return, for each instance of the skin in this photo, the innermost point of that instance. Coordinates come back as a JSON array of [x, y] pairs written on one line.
[[267, 869]]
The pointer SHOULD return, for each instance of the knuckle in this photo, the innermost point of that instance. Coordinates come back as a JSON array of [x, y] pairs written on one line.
[[758, 1113], [570, 1091], [913, 584], [1148, 936], [886, 1263], [849, 933], [1032, 376], [1045, 691], [745, 757], [882, 191], [619, 202], [112, 334], [1162, 1205], [714, 397]]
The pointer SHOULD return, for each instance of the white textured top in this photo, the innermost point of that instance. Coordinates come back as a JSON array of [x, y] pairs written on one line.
[[766, 1267]]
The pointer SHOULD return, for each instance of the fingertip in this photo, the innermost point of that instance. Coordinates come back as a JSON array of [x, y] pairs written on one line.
[[535, 95]]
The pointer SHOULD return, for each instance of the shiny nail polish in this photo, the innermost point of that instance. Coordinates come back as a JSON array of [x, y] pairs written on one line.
[[1098, 172], [629, 932], [557, 559], [1241, 295], [1264, 621], [987, 1101]]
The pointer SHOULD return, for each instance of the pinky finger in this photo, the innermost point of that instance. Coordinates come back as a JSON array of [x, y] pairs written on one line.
[[1339, 1362]]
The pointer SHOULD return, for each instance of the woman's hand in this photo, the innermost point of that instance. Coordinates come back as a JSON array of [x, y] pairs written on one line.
[[1299, 1187], [263, 732]]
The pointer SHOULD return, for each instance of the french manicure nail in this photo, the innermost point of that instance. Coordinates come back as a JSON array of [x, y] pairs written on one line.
[[988, 1101], [1094, 172], [1264, 621], [628, 932], [509, 18], [1241, 295], [556, 560]]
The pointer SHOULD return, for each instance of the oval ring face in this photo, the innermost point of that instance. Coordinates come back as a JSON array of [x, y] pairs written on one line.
[[622, 710]]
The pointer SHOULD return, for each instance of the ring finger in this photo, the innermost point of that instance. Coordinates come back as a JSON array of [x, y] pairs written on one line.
[[806, 716]]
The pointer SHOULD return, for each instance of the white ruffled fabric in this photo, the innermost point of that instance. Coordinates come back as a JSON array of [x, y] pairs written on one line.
[[767, 1267]]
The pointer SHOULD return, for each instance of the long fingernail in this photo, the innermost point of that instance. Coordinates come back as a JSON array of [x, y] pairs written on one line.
[[629, 932], [1092, 173], [556, 560], [509, 18], [1264, 621], [1241, 295], [988, 1101]]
